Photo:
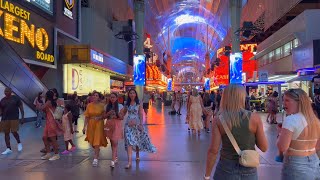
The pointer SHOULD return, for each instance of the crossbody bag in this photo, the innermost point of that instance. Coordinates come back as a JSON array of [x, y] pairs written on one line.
[[247, 158]]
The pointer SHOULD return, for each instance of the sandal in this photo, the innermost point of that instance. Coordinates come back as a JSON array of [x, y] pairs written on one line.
[[128, 166]]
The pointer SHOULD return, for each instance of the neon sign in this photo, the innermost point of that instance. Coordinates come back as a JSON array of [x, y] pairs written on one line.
[[14, 27]]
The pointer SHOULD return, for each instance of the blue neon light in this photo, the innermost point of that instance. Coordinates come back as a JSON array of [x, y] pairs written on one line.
[[139, 70], [169, 87], [236, 68], [207, 84]]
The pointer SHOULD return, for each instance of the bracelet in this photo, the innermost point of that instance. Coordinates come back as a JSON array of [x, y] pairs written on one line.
[[206, 177]]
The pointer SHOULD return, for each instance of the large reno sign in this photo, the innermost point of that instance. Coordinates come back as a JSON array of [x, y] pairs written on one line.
[[31, 39]]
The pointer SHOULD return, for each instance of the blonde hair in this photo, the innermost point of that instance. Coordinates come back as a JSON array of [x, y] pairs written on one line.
[[305, 108], [232, 104]]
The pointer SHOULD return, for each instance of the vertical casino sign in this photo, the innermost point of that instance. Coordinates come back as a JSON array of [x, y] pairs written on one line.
[[236, 68], [28, 33], [139, 70], [68, 6]]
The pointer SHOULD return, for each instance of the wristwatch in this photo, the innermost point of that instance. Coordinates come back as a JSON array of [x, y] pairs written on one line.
[[206, 177]]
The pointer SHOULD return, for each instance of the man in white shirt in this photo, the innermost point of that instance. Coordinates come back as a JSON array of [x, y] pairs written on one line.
[[145, 101]]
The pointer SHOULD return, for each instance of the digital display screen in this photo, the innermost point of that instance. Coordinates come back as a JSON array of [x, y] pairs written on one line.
[[236, 68], [169, 87], [139, 70], [207, 84], [46, 5]]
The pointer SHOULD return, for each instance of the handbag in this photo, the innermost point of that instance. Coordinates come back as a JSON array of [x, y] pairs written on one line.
[[247, 158], [57, 114]]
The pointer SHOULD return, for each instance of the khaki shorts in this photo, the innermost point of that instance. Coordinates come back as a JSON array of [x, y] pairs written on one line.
[[8, 126]]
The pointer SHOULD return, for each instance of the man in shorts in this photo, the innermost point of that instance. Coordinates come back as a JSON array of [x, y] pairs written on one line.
[[9, 110], [145, 101]]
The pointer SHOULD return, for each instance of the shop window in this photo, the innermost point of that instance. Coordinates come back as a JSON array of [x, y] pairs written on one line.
[[271, 56], [278, 53], [287, 49], [295, 43]]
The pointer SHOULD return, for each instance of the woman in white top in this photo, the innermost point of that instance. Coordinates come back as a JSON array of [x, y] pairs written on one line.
[[299, 137]]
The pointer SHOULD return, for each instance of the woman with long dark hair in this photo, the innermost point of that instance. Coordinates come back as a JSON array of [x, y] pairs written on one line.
[[136, 138], [52, 128], [113, 126]]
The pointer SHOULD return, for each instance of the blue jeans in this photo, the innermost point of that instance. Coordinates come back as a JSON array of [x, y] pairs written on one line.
[[300, 167], [232, 170], [40, 117]]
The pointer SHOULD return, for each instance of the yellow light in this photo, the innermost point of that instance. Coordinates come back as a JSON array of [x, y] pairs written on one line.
[[40, 35], [1, 33], [27, 32], [9, 28]]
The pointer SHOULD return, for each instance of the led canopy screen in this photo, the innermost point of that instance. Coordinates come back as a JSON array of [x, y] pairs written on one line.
[[139, 70], [236, 68]]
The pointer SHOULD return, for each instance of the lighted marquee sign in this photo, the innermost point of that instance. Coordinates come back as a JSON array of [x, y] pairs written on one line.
[[28, 33], [236, 68], [243, 47], [139, 70], [46, 5], [68, 6]]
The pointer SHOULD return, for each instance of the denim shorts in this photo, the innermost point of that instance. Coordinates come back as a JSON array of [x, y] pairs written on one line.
[[232, 170], [301, 167]]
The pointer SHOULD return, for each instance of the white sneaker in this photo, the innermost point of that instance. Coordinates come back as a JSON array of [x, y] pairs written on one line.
[[19, 147], [54, 157], [7, 151], [95, 163], [46, 157], [112, 164]]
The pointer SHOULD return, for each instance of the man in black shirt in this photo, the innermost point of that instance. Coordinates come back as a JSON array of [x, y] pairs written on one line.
[[9, 110]]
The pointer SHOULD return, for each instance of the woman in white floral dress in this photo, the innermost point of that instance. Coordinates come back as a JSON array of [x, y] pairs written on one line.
[[136, 137]]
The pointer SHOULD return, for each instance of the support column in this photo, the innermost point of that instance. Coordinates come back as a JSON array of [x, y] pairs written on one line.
[[280, 97], [235, 16], [139, 10]]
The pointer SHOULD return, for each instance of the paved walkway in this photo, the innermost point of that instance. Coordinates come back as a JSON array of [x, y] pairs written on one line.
[[180, 155]]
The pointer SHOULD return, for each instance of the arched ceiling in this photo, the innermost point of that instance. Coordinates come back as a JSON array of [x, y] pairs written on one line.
[[187, 29]]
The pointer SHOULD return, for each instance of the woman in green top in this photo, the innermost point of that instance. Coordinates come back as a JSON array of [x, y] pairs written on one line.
[[246, 127]]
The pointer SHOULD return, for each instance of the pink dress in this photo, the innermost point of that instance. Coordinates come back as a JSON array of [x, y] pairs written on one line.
[[114, 128], [52, 127], [195, 116], [66, 127]]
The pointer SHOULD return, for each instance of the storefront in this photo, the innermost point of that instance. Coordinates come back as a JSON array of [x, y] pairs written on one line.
[[84, 79], [116, 85], [87, 69]]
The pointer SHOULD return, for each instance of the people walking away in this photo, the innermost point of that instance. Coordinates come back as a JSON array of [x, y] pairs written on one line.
[[207, 103], [68, 129], [75, 111], [40, 114], [9, 111], [246, 128], [136, 137], [272, 108], [52, 128], [179, 102], [113, 126], [145, 101], [94, 126], [299, 138]]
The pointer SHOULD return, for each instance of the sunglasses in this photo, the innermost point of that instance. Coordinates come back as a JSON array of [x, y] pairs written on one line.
[[293, 92]]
